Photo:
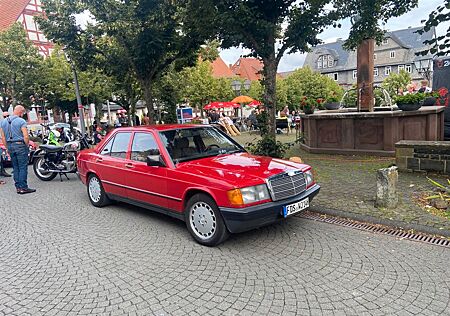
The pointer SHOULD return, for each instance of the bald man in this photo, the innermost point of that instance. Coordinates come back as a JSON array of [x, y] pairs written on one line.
[[14, 134]]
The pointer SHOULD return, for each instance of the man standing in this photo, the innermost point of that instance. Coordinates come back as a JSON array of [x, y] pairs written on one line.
[[15, 135]]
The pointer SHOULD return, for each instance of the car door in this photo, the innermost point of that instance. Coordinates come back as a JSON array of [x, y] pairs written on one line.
[[146, 184], [111, 164]]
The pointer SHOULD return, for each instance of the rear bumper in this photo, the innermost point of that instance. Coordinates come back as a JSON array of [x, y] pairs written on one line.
[[243, 219]]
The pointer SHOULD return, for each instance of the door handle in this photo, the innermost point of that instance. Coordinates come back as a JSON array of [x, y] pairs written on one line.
[[99, 160], [129, 165]]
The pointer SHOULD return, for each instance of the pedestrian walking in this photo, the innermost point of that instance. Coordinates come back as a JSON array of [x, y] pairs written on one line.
[[14, 134]]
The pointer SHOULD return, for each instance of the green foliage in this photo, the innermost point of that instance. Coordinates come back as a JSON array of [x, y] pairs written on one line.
[[199, 84], [256, 90], [411, 98], [268, 147], [367, 15], [304, 82], [149, 36], [396, 81], [440, 45], [350, 98], [260, 26], [19, 66]]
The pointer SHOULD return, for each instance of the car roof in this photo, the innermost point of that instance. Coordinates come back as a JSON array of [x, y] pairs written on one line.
[[161, 127]]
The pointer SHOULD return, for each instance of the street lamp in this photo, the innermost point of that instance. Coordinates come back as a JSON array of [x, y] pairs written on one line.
[[424, 67], [77, 93]]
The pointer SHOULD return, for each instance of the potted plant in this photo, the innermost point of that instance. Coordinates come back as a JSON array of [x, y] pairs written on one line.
[[430, 98], [410, 102], [308, 105], [332, 102]]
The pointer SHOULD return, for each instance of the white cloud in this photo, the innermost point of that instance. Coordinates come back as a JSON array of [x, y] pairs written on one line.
[[412, 18]]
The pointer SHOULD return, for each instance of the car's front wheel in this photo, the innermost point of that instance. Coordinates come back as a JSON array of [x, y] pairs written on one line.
[[204, 221], [96, 193]]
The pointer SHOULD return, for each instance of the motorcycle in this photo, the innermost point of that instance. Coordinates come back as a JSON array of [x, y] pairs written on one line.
[[50, 160]]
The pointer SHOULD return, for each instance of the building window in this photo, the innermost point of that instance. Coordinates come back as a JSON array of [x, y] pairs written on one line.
[[408, 68], [355, 74], [325, 61], [374, 56], [375, 72], [385, 41], [387, 70], [330, 61], [392, 54], [336, 76], [400, 68]]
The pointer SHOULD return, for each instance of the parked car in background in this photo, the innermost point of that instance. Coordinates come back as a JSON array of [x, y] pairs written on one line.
[[197, 174]]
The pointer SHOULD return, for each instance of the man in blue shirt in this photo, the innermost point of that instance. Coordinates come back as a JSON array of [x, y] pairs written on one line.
[[14, 134]]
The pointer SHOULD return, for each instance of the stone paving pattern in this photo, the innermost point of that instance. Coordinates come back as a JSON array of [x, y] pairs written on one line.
[[349, 185], [61, 256]]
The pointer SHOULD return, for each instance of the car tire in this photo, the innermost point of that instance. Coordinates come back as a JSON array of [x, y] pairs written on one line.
[[204, 221], [48, 176], [96, 193]]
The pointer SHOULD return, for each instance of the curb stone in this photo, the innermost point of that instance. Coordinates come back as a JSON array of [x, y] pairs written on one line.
[[380, 221]]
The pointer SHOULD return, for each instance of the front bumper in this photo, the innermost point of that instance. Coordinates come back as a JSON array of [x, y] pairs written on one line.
[[242, 219]]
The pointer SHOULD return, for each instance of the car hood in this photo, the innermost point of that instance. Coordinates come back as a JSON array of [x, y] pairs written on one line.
[[240, 169]]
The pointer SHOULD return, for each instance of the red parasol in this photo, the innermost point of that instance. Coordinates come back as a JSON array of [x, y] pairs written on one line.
[[254, 103], [218, 105]]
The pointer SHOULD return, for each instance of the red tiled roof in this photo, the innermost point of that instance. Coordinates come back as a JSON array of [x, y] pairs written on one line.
[[220, 69], [248, 68], [10, 11]]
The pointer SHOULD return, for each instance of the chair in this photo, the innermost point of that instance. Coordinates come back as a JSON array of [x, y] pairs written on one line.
[[181, 148]]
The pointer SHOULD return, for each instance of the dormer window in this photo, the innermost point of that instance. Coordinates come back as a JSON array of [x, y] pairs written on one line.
[[325, 61]]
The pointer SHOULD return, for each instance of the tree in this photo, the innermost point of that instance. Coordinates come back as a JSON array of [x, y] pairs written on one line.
[[396, 81], [199, 84], [440, 46], [152, 34], [19, 66], [304, 82], [269, 29]]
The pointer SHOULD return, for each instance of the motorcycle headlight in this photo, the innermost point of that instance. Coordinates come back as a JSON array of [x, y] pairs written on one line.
[[249, 195], [309, 178]]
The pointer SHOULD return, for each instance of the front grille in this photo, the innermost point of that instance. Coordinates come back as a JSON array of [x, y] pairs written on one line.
[[283, 185]]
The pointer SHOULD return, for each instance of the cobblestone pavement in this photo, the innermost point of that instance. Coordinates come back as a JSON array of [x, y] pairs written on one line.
[[61, 256], [349, 187]]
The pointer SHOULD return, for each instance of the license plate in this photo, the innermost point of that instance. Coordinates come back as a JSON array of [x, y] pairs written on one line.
[[295, 207]]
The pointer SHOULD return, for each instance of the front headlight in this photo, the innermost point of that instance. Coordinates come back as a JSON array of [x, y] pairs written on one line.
[[309, 178], [249, 195]]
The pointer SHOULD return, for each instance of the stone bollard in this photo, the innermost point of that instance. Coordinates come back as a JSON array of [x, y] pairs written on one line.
[[387, 180]]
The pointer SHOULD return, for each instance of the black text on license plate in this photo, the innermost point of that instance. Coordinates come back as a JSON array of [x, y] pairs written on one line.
[[295, 207]]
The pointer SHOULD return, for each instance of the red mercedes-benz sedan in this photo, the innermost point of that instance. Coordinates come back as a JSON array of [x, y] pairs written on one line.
[[198, 174]]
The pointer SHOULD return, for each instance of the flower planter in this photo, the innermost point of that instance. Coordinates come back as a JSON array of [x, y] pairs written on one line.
[[308, 110], [429, 101], [332, 105], [409, 106]]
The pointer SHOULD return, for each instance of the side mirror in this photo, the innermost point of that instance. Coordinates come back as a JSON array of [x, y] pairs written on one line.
[[155, 160]]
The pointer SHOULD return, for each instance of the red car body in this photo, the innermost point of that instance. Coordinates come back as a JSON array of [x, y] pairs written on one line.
[[168, 189], [7, 158]]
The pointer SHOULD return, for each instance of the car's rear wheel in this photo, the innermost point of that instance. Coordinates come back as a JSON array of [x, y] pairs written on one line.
[[204, 221], [96, 193]]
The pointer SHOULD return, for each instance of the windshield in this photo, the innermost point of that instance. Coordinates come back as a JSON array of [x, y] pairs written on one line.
[[195, 143]]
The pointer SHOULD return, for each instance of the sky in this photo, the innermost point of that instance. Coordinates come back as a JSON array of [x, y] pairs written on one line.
[[294, 61]]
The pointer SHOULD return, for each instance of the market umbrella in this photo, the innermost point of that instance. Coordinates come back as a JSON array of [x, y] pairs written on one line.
[[218, 105], [242, 99], [254, 103]]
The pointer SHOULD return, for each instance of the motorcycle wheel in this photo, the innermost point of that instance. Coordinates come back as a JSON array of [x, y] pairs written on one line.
[[40, 172]]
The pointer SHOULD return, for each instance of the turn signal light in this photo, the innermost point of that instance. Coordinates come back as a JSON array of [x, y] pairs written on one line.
[[235, 197]]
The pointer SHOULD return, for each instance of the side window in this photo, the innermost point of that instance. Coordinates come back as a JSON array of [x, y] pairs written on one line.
[[144, 145], [120, 145], [107, 149]]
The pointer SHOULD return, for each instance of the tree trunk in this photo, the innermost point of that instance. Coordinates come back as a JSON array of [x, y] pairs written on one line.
[[148, 98], [270, 93], [132, 112]]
